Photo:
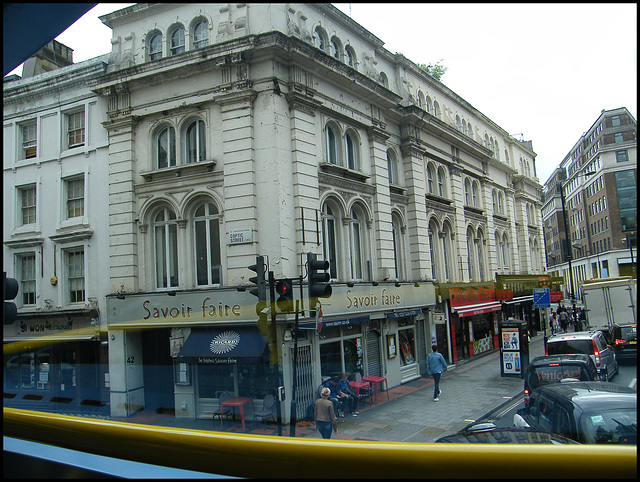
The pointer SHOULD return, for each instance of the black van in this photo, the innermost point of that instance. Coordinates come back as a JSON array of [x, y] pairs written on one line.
[[544, 370]]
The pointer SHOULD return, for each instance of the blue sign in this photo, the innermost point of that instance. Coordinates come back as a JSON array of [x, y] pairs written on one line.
[[541, 298]]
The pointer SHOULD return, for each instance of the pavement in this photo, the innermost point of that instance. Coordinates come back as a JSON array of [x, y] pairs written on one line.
[[471, 390]]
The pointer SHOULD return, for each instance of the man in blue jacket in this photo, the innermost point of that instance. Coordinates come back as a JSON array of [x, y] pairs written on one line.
[[436, 364]]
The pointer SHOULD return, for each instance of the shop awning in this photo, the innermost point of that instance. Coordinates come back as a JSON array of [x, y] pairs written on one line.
[[225, 346], [470, 310]]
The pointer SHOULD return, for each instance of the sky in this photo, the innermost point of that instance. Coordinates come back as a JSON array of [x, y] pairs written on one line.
[[542, 72]]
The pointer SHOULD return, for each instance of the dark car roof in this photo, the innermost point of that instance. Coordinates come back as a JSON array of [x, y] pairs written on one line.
[[545, 360], [588, 395]]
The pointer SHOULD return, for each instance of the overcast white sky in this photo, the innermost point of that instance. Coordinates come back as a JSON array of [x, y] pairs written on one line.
[[541, 70]]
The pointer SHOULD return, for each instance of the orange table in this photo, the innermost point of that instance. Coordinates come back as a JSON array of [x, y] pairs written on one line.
[[375, 381], [237, 402], [358, 386]]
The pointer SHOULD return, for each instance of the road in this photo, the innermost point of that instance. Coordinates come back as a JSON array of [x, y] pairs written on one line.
[[503, 416]]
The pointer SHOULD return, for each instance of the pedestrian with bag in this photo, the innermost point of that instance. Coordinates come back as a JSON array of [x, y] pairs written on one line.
[[563, 316], [324, 414], [437, 365]]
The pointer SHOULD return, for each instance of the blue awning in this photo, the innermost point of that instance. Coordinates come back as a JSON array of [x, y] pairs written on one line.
[[225, 346]]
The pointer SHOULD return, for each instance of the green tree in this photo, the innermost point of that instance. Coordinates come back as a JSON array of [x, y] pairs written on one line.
[[436, 71]]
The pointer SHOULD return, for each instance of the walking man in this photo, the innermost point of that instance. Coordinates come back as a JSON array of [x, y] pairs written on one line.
[[436, 364]]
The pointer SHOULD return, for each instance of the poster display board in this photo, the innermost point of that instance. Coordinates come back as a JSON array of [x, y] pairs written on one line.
[[514, 348]]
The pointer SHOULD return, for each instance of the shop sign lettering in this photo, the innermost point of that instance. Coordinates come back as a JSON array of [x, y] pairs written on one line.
[[372, 300], [207, 309]]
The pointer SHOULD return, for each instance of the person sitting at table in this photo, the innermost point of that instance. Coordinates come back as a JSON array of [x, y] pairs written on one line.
[[332, 385], [346, 396]]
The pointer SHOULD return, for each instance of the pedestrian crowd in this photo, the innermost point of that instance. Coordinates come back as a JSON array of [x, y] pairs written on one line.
[[564, 318]]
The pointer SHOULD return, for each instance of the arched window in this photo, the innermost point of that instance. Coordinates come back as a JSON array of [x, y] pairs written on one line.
[[165, 229], [319, 39], [357, 246], [166, 147], [392, 166], [441, 191], [430, 179], [429, 105], [458, 124], [155, 47], [352, 151], [398, 246], [330, 238], [501, 202], [494, 199], [177, 41], [332, 145], [470, 260], [469, 130], [479, 243], [467, 192], [505, 252], [351, 57], [436, 109], [201, 34], [446, 252], [434, 249], [474, 195], [498, 249], [421, 102], [384, 80], [207, 245], [336, 48], [195, 145]]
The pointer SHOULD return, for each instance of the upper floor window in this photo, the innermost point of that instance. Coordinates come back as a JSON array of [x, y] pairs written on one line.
[[28, 204], [440, 183], [166, 147], [29, 140], [351, 146], [75, 275], [357, 254], [319, 39], [332, 145], [474, 194], [615, 121], [392, 166], [467, 192], [195, 142], [336, 49], [165, 230], [27, 271], [384, 80], [75, 197], [155, 47], [622, 156], [330, 237], [398, 246], [177, 41], [351, 57], [201, 34], [618, 137], [75, 129], [436, 109], [207, 245], [430, 179]]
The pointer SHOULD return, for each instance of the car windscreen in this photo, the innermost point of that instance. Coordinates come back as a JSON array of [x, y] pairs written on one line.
[[544, 375], [570, 346], [616, 426]]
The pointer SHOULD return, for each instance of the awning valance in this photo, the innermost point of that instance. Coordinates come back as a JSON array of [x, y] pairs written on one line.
[[225, 346], [478, 309]]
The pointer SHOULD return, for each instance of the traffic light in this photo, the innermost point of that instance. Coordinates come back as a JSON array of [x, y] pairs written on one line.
[[261, 284], [10, 287], [319, 277], [284, 295]]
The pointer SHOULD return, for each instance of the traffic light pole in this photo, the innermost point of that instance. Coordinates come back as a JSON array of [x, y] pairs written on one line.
[[274, 333]]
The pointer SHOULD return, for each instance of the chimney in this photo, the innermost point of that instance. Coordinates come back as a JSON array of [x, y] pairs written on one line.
[[52, 56]]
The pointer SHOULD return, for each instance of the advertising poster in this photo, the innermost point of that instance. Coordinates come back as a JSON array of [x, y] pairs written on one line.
[[511, 362], [510, 339]]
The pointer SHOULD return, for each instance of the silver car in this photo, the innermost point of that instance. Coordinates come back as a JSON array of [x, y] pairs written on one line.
[[592, 343]]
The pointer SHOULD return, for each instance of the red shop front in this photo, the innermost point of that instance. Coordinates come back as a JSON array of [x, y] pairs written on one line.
[[474, 313]]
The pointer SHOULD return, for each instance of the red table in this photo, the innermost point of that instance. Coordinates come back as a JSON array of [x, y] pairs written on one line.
[[375, 381], [358, 386], [237, 402]]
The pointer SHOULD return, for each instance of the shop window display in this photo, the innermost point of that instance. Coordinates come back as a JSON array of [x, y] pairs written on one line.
[[342, 355], [407, 346]]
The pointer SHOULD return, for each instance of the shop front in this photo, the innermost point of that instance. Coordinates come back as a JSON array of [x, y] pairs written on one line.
[[56, 362], [474, 315]]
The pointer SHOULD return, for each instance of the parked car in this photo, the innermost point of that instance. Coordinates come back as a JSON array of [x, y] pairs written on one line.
[[488, 433], [624, 338], [587, 412], [592, 343], [544, 370]]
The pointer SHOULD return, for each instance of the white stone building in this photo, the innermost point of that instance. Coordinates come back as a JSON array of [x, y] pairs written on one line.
[[238, 130]]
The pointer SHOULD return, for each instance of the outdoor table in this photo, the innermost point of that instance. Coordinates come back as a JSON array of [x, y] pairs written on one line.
[[375, 381], [357, 386], [237, 402]]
